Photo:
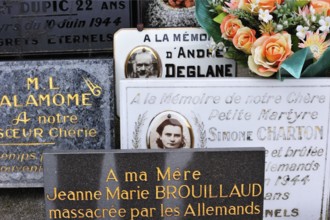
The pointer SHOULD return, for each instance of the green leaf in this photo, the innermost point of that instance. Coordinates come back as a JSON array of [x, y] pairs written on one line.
[[218, 9], [320, 67], [293, 66], [220, 17], [205, 19], [298, 65], [301, 3]]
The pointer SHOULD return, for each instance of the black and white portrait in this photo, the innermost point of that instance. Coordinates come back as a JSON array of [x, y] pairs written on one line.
[[169, 130], [143, 62]]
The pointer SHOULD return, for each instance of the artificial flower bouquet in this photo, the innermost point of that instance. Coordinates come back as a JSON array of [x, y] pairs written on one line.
[[274, 37]]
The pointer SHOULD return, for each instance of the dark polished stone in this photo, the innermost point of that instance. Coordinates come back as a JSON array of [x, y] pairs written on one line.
[[143, 184], [59, 105], [62, 26]]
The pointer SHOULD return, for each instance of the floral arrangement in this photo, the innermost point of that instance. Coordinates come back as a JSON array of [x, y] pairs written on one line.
[[274, 37]]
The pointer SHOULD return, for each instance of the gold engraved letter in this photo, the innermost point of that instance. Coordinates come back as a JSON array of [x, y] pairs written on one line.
[[111, 176], [51, 84], [34, 81]]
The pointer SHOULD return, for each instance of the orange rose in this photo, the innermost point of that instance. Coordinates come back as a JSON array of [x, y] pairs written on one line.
[[229, 26], [254, 5], [321, 6], [268, 53], [244, 39]]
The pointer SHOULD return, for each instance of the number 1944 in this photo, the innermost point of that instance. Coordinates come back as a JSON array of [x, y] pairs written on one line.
[[292, 180], [97, 22]]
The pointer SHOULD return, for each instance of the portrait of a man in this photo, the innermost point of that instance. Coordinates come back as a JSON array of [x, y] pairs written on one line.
[[143, 62], [169, 130]]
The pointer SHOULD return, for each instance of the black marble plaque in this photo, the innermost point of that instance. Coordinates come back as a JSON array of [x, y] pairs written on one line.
[[170, 13], [62, 104], [74, 26], [178, 184]]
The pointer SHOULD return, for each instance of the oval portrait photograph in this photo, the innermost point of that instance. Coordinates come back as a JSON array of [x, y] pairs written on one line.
[[143, 62], [169, 130]]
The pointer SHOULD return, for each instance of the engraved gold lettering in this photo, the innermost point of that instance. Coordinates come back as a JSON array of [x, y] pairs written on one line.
[[34, 81], [51, 84], [31, 100], [134, 176], [131, 194], [72, 133], [46, 100], [177, 174], [111, 176], [43, 98], [85, 99], [22, 117], [5, 101], [74, 195]]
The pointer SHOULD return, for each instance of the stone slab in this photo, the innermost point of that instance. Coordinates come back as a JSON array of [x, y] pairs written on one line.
[[61, 26], [184, 184], [289, 118], [171, 53], [54, 104]]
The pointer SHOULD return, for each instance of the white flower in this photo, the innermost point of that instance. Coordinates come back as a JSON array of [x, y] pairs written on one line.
[[213, 47], [265, 16], [313, 18], [312, 10], [279, 27], [301, 32], [325, 24]]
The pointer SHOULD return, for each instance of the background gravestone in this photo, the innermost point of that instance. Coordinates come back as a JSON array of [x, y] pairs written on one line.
[[62, 104], [62, 26]]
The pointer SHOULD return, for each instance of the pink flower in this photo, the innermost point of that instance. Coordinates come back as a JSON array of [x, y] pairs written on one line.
[[229, 26], [317, 43], [254, 5], [244, 39], [233, 4], [268, 53], [321, 6]]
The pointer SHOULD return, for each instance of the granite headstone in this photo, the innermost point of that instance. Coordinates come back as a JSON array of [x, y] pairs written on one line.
[[72, 26], [58, 104], [179, 184]]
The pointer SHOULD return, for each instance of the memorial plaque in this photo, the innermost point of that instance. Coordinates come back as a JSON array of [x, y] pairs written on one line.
[[58, 104], [290, 119], [59, 26], [180, 184], [167, 53], [170, 13]]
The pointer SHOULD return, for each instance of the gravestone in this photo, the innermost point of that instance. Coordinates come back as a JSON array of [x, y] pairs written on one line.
[[289, 118], [173, 53], [62, 26], [55, 104], [208, 184]]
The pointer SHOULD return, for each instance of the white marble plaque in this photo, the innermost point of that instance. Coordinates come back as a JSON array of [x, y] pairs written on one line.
[[167, 53], [290, 119]]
